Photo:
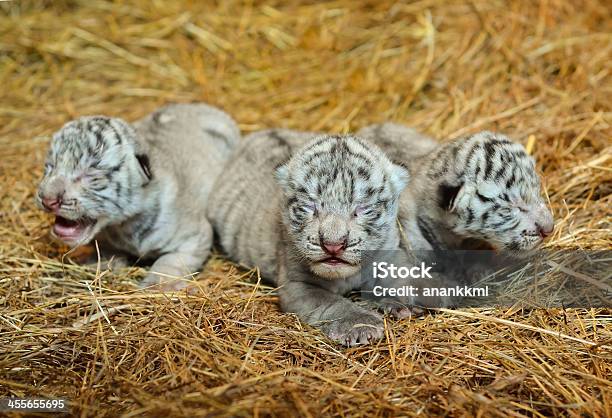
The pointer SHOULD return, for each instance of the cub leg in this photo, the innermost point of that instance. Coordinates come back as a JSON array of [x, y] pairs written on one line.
[[340, 319], [172, 270], [109, 259]]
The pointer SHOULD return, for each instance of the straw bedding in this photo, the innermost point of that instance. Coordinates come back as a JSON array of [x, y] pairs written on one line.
[[539, 72]]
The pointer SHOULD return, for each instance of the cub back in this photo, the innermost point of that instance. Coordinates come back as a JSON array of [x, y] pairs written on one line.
[[244, 203], [191, 141]]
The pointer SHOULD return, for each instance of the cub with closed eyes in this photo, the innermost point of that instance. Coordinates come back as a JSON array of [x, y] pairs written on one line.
[[304, 211], [482, 191]]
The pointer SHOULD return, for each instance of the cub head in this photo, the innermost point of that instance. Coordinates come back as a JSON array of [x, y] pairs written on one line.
[[340, 198], [93, 177], [493, 194]]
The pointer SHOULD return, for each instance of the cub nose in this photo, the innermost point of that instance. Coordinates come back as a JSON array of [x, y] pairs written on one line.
[[545, 229], [52, 194], [544, 222], [51, 203], [333, 248]]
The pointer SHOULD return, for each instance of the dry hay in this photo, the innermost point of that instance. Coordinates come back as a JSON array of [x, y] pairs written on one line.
[[537, 71]]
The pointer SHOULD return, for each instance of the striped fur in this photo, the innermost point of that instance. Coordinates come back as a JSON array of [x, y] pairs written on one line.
[[244, 205], [140, 189], [479, 191], [328, 189]]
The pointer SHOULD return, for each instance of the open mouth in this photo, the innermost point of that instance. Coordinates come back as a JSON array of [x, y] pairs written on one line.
[[72, 230], [334, 261]]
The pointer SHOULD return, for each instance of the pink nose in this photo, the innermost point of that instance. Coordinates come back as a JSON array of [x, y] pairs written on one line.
[[333, 248], [545, 230], [51, 203]]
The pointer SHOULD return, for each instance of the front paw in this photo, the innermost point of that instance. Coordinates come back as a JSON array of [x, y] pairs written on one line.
[[403, 312], [157, 283], [114, 263], [360, 328]]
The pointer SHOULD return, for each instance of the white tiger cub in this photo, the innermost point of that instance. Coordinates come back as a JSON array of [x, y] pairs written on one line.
[[140, 189], [479, 191], [333, 198]]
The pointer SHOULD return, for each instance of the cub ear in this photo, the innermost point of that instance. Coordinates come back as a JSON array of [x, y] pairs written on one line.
[[139, 147], [145, 167], [449, 195], [399, 178], [281, 174]]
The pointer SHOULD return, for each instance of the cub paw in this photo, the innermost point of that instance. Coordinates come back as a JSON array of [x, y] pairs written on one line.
[[112, 264], [402, 312], [155, 283], [360, 329]]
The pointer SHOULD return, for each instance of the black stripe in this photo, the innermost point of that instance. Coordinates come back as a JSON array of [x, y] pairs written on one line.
[[501, 173], [471, 152], [362, 172], [144, 228], [484, 218], [490, 155], [510, 227], [281, 141], [427, 234], [470, 216], [511, 180]]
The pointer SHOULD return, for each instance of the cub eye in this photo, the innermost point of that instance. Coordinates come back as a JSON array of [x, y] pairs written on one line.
[[93, 176], [308, 207], [504, 210], [523, 210], [301, 209], [362, 210], [484, 198]]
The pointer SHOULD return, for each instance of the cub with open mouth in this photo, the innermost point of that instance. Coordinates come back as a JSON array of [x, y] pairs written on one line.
[[139, 189], [334, 198]]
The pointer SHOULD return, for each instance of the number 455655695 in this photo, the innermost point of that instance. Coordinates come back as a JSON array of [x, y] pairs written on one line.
[[34, 405]]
